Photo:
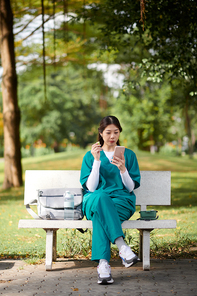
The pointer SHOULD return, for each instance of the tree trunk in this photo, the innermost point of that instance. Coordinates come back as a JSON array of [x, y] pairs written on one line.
[[188, 128], [11, 112]]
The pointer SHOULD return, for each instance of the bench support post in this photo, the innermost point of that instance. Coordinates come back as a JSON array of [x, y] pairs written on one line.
[[140, 245], [144, 248], [51, 238], [54, 245], [49, 249]]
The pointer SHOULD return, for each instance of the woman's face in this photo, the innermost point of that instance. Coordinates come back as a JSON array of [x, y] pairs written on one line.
[[110, 135]]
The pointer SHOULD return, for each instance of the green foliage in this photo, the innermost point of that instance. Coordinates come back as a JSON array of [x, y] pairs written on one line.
[[75, 244], [70, 112], [168, 30], [144, 110], [32, 151], [167, 249], [161, 40], [162, 44], [170, 150], [64, 41]]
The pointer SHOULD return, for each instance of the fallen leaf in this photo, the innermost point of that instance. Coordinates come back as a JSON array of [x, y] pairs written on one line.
[[75, 289]]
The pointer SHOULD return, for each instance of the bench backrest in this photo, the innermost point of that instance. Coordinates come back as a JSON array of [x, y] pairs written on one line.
[[155, 186]]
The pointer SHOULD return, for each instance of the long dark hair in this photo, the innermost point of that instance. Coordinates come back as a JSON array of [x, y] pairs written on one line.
[[104, 123]]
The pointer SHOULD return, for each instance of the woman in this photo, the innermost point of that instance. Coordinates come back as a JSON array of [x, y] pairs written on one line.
[[108, 184]]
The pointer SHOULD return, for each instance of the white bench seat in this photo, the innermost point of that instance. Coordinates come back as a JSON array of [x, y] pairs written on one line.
[[155, 189], [130, 224]]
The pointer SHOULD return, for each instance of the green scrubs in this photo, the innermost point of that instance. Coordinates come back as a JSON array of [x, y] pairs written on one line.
[[111, 203]]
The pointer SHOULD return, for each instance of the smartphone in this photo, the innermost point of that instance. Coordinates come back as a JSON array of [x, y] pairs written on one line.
[[118, 150]]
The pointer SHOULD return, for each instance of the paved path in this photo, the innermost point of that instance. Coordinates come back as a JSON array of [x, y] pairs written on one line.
[[79, 277]]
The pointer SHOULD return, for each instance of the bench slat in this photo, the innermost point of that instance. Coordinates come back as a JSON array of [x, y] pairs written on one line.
[[56, 224]]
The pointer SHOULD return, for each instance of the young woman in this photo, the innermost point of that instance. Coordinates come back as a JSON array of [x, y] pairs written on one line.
[[108, 184]]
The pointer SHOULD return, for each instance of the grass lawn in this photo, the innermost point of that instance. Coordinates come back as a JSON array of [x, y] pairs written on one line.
[[30, 243]]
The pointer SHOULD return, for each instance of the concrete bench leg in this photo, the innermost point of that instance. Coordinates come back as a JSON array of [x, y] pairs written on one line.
[[140, 246], [146, 249], [49, 249], [51, 235], [54, 245]]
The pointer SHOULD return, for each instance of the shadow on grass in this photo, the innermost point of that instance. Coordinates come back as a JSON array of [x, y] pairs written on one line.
[[184, 198], [184, 189], [11, 194], [161, 162]]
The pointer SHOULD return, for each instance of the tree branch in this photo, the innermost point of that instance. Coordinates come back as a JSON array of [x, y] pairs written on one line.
[[36, 29], [26, 25]]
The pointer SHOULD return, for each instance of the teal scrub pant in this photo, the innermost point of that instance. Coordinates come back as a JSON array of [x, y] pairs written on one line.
[[107, 214]]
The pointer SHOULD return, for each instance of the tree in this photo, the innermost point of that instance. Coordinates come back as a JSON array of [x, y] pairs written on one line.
[[187, 104], [166, 29], [144, 111], [1, 134], [11, 111], [71, 110]]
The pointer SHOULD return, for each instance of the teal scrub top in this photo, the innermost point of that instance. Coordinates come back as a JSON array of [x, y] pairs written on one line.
[[110, 180]]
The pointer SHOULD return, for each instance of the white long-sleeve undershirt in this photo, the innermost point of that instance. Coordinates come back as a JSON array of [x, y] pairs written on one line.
[[93, 179]]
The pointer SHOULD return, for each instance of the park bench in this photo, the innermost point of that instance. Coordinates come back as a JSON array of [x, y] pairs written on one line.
[[155, 190]]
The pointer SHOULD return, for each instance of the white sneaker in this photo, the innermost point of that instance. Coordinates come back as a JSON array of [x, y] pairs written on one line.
[[104, 274], [128, 257]]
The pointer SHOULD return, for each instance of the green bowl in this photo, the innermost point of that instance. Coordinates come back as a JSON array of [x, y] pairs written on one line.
[[148, 215]]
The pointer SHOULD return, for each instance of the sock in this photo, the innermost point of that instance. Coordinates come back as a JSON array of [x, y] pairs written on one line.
[[120, 242], [103, 260]]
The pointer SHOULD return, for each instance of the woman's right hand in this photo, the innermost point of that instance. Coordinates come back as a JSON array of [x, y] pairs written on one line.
[[96, 148]]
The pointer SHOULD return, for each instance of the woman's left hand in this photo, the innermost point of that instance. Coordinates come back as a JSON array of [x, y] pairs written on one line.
[[119, 162]]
